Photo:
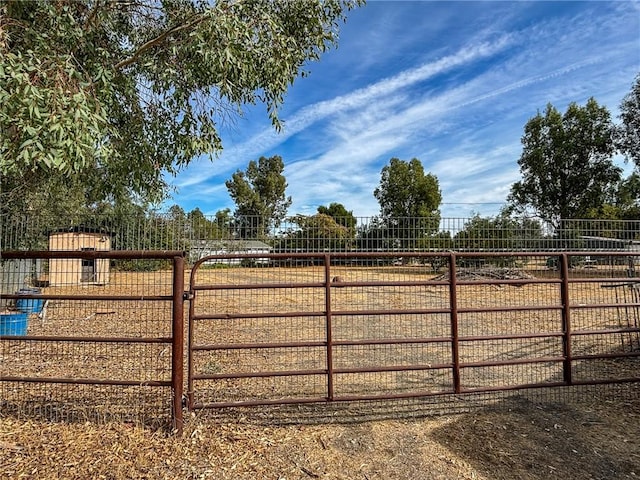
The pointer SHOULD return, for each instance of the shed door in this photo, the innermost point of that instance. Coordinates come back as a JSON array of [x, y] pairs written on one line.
[[88, 272]]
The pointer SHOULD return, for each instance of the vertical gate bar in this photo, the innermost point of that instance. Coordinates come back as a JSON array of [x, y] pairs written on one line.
[[619, 312], [566, 319], [177, 358], [190, 333], [634, 299], [328, 327], [621, 321], [453, 305]]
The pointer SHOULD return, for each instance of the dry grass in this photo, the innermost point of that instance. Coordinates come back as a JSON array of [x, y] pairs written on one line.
[[519, 438], [589, 433]]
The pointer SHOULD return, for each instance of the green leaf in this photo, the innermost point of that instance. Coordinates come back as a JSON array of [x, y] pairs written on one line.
[[115, 91]]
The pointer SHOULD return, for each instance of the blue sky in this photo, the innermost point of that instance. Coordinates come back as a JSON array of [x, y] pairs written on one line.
[[449, 83]]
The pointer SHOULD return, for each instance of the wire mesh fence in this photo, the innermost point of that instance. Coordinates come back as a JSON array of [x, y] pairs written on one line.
[[376, 315], [73, 348], [342, 328], [210, 235]]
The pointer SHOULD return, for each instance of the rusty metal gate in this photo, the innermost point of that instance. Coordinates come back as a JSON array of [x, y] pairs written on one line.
[[306, 328], [302, 328], [108, 351]]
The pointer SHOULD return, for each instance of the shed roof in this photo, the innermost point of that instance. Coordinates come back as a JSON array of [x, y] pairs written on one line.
[[232, 244], [81, 229]]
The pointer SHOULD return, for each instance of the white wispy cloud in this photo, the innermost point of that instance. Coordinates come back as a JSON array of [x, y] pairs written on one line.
[[360, 98], [462, 114], [395, 128]]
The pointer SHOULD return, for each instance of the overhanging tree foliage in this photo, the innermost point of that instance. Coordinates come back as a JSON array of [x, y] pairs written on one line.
[[566, 162], [134, 90]]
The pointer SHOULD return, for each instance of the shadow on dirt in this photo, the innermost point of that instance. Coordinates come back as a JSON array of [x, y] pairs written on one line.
[[584, 432], [589, 433]]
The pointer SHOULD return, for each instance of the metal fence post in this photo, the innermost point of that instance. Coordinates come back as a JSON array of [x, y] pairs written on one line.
[[177, 374], [328, 325], [191, 331], [566, 319], [453, 304]]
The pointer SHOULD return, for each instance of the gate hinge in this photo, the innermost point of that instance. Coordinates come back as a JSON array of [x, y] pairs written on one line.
[[187, 296]]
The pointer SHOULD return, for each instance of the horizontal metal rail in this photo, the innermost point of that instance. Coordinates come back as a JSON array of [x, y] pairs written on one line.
[[237, 316], [355, 255], [94, 254], [78, 298], [602, 356], [86, 339], [563, 334], [392, 341], [87, 381], [606, 331], [126, 345], [270, 373]]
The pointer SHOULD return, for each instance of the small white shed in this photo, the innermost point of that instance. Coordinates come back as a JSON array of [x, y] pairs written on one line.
[[79, 271]]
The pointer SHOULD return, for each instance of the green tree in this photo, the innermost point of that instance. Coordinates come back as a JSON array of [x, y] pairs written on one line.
[[224, 221], [259, 195], [409, 201], [177, 214], [27, 215], [628, 133], [624, 201], [201, 228], [341, 216], [439, 241], [566, 162], [499, 233], [620, 216], [316, 233], [374, 236], [127, 92], [628, 197]]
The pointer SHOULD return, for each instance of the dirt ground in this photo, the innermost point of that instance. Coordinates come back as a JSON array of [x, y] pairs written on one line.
[[580, 433], [593, 436]]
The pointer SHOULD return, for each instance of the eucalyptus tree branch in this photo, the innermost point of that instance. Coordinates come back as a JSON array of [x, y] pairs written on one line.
[[159, 40]]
